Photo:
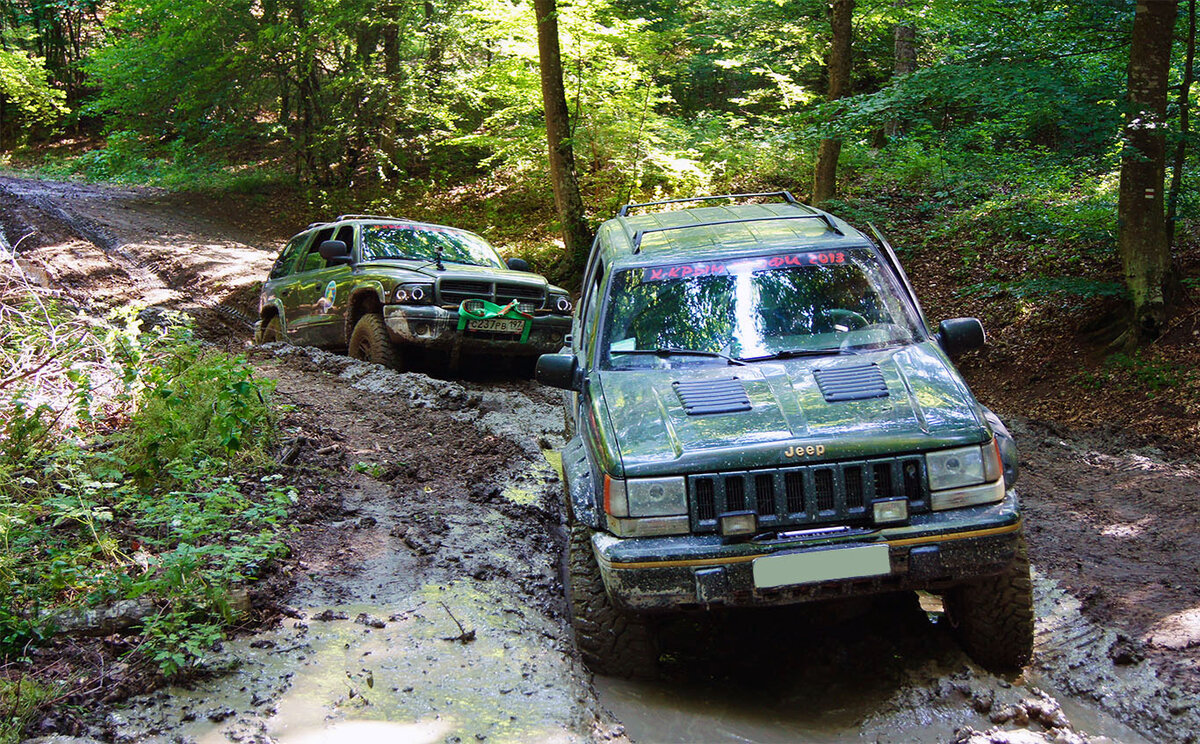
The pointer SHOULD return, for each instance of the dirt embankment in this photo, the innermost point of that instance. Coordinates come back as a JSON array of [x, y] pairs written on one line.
[[422, 599]]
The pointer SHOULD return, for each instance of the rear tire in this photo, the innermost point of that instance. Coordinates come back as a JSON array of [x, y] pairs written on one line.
[[993, 617], [369, 342], [610, 642]]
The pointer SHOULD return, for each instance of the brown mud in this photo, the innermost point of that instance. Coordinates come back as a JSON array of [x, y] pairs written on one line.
[[422, 599]]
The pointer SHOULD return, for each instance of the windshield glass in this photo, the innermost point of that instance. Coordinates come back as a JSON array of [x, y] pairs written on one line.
[[421, 243], [815, 302]]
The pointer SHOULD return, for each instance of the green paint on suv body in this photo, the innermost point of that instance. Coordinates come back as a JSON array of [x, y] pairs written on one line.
[[415, 277]]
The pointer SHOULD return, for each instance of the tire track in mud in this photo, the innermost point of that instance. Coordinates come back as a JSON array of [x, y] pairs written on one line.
[[146, 280]]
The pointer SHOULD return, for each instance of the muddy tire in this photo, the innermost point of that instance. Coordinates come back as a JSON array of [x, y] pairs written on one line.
[[272, 331], [369, 342], [611, 642], [993, 617]]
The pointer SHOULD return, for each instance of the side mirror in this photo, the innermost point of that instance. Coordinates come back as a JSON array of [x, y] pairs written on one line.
[[959, 335], [335, 252], [517, 264], [560, 371]]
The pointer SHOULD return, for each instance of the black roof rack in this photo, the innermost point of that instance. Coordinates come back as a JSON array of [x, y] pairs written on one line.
[[369, 217], [637, 237], [785, 195]]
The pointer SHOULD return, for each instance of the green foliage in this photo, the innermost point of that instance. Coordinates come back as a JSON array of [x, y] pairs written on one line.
[[123, 474], [25, 85]]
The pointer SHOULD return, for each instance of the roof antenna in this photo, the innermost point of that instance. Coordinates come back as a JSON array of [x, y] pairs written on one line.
[[437, 256]]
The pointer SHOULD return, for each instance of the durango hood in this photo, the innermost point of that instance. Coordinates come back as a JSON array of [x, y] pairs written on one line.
[[835, 407]]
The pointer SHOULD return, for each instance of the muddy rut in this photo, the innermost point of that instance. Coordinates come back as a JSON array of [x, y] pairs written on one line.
[[422, 600]]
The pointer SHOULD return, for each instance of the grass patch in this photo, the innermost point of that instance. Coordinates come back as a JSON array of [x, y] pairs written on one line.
[[128, 158]]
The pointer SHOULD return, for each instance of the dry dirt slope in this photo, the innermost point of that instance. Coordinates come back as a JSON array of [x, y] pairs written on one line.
[[428, 505]]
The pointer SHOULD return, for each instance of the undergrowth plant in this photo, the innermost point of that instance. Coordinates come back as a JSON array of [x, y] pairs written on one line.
[[133, 466]]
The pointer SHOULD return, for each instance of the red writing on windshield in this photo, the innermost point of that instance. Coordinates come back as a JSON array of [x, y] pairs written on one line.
[[685, 271], [659, 273], [806, 259]]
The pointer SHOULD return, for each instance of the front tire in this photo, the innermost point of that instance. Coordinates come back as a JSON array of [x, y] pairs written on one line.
[[611, 642], [993, 617], [369, 342]]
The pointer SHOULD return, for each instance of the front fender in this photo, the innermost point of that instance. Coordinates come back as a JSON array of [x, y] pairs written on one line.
[[580, 485], [371, 288], [1008, 447]]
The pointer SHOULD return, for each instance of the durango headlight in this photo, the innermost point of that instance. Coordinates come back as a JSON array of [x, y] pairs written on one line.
[[559, 303], [413, 294]]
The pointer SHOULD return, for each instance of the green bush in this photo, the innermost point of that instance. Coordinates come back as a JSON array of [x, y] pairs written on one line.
[[131, 466]]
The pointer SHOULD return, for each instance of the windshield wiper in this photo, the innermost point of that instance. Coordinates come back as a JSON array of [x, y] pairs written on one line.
[[666, 352], [794, 353]]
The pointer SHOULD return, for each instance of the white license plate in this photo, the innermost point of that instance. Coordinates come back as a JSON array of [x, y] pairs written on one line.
[[497, 325], [821, 565]]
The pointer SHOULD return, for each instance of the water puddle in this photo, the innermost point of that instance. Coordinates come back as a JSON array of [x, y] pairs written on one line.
[[454, 664]]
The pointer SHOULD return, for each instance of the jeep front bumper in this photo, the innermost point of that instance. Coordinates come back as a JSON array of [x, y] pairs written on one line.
[[437, 328], [933, 552]]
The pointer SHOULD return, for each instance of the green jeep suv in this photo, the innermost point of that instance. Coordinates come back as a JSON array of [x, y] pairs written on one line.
[[761, 416], [384, 287]]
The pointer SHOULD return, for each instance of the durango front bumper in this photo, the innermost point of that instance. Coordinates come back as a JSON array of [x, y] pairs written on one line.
[[437, 328], [934, 551]]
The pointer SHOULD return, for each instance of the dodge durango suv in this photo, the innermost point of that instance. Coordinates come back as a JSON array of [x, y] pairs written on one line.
[[386, 288]]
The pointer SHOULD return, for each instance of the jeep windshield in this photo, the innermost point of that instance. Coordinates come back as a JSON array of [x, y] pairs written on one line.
[[422, 243], [766, 307]]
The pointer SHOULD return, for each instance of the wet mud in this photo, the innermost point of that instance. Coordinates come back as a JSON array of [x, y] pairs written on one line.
[[423, 598]]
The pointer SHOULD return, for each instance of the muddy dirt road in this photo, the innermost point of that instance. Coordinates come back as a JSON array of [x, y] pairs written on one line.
[[422, 600]]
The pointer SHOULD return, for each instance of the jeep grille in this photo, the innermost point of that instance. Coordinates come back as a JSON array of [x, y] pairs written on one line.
[[808, 494], [454, 291]]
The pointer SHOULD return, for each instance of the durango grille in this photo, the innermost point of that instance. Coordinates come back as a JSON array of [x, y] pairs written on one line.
[[454, 291], [839, 492]]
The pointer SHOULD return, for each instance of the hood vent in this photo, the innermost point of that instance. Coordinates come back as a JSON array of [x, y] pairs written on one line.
[[712, 396], [851, 383]]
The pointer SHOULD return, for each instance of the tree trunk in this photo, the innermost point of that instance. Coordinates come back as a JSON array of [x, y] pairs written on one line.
[[904, 38], [825, 181], [1142, 233], [1185, 97], [577, 236]]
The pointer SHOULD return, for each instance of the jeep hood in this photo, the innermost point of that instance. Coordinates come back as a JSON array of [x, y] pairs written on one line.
[[926, 406]]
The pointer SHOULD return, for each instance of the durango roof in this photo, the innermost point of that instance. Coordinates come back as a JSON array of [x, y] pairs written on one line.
[[729, 229]]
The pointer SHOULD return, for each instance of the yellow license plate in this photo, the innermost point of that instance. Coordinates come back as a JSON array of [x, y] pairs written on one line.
[[497, 325], [821, 565]]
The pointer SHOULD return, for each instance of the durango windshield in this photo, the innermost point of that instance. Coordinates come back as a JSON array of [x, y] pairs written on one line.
[[421, 244], [797, 304]]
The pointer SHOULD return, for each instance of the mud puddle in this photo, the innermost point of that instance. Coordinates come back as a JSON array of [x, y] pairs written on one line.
[[378, 673], [892, 674]]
